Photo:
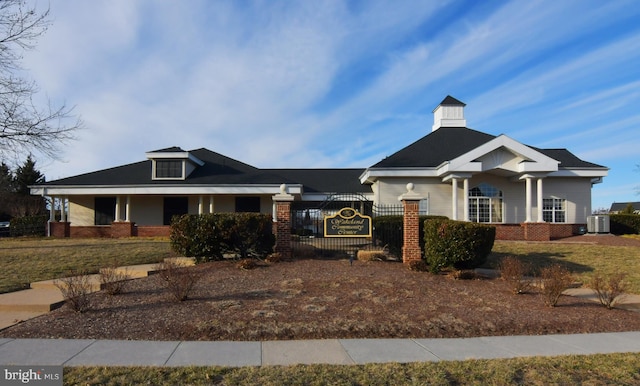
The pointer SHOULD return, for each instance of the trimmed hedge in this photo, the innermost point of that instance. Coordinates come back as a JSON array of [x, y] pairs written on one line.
[[389, 230], [624, 224], [212, 236], [28, 226], [458, 244]]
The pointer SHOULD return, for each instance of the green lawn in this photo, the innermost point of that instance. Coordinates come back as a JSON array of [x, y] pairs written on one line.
[[611, 369], [584, 260], [25, 260]]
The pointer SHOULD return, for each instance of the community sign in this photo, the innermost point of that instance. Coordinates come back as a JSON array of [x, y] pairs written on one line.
[[347, 223]]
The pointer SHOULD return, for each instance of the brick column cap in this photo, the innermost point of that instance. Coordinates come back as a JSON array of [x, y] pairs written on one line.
[[283, 195], [410, 195]]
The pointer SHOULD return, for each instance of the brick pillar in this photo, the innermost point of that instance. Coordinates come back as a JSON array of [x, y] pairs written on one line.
[[411, 238], [282, 226], [122, 229], [59, 229]]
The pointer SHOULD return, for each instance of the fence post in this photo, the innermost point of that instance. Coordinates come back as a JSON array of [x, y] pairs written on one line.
[[411, 238], [282, 218]]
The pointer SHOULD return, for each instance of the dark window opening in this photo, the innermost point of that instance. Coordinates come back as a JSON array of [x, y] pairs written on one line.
[[248, 204], [104, 210], [168, 169], [174, 206]]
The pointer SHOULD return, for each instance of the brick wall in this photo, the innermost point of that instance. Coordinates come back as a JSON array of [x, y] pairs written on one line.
[[59, 229], [152, 231], [509, 232], [91, 231]]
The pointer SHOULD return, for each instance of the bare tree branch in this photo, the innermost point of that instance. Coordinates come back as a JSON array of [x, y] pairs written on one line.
[[25, 127]]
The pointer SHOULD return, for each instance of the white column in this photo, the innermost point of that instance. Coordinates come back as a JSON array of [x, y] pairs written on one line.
[[127, 209], [539, 197], [200, 205], [117, 219], [63, 209], [52, 212], [211, 208], [454, 198], [465, 187], [528, 199]]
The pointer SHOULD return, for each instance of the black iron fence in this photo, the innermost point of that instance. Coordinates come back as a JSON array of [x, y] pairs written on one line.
[[308, 221]]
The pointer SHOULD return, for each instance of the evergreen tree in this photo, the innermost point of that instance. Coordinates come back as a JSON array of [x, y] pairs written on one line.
[[27, 175]]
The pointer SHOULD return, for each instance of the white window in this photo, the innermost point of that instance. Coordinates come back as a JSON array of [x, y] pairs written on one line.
[[485, 204], [554, 209], [169, 169]]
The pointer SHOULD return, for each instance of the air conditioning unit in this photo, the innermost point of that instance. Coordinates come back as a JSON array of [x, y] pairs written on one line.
[[598, 224]]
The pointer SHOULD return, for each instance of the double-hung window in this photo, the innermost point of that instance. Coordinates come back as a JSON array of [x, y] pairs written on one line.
[[554, 209]]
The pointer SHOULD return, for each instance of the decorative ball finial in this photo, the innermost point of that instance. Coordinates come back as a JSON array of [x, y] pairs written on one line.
[[283, 189], [410, 187]]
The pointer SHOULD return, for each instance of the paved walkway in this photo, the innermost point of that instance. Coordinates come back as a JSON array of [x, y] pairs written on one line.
[[88, 352]]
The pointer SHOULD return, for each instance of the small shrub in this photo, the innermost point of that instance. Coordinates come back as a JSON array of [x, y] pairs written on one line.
[[418, 266], [178, 278], [609, 289], [555, 280], [514, 272], [247, 264], [458, 244], [274, 258], [373, 255], [75, 289], [113, 280]]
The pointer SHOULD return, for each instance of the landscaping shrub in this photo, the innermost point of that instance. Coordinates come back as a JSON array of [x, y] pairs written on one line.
[[28, 226], [418, 266], [514, 272], [113, 280], [211, 236], [555, 280], [458, 244], [76, 288], [178, 278], [609, 289], [624, 224], [247, 264]]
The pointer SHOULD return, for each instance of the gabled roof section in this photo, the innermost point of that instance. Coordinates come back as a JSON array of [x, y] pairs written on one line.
[[501, 153], [432, 150], [451, 101]]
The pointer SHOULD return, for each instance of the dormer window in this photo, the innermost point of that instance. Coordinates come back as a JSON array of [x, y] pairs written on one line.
[[169, 169], [172, 164]]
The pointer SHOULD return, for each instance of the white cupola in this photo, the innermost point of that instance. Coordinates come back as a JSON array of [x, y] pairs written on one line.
[[449, 113]]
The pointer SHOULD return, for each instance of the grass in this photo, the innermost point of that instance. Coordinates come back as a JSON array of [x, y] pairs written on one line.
[[26, 260], [614, 369], [583, 260]]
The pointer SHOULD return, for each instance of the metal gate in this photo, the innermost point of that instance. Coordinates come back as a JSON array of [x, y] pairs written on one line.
[[308, 221]]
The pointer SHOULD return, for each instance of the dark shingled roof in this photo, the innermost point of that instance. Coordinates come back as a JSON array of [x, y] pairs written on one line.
[[222, 170], [439, 146], [451, 101], [448, 143], [620, 206]]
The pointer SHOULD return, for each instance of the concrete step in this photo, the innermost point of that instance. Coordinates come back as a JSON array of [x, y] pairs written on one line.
[[94, 281], [31, 300]]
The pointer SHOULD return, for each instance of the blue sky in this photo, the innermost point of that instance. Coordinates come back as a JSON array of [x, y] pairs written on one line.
[[342, 83]]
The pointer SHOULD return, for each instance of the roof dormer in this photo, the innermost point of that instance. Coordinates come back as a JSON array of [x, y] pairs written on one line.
[[449, 113], [172, 163]]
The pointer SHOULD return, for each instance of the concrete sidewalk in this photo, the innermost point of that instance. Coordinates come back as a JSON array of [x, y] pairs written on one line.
[[88, 352]]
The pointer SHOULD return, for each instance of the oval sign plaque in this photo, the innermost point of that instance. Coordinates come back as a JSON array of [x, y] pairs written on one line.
[[347, 223]]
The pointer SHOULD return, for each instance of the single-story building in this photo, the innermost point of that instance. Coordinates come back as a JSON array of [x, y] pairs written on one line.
[[619, 207], [458, 172]]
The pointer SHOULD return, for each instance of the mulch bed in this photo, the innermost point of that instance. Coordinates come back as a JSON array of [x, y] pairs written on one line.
[[317, 299]]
